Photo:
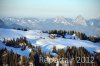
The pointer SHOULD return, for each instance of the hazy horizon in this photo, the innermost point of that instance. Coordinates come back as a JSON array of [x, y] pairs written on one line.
[[50, 8]]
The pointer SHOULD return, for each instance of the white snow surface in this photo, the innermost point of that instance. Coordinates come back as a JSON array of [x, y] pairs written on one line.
[[37, 38]]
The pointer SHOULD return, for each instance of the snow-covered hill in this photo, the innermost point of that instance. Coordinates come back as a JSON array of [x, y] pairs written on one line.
[[37, 38], [16, 50]]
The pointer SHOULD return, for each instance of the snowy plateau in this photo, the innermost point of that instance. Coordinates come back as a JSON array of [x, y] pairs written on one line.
[[38, 38]]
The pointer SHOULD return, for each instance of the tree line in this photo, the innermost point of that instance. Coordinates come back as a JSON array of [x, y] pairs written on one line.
[[9, 58], [23, 29], [18, 43], [80, 35]]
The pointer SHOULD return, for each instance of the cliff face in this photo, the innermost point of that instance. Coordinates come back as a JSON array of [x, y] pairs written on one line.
[[80, 20]]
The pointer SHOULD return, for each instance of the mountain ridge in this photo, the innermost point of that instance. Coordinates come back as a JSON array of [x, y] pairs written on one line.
[[90, 26]]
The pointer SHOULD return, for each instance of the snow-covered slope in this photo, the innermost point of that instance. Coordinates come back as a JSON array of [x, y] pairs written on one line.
[[47, 44], [37, 38], [16, 50], [11, 33]]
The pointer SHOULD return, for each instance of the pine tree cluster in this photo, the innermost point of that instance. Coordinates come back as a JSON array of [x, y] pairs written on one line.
[[80, 35], [9, 58], [18, 43]]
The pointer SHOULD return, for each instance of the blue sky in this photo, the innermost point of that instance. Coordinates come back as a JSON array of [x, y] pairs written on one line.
[[50, 8]]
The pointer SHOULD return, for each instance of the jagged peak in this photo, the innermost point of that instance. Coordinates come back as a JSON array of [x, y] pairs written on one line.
[[80, 20]]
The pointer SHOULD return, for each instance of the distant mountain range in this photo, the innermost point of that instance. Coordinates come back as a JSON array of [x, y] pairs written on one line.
[[90, 26], [2, 24]]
